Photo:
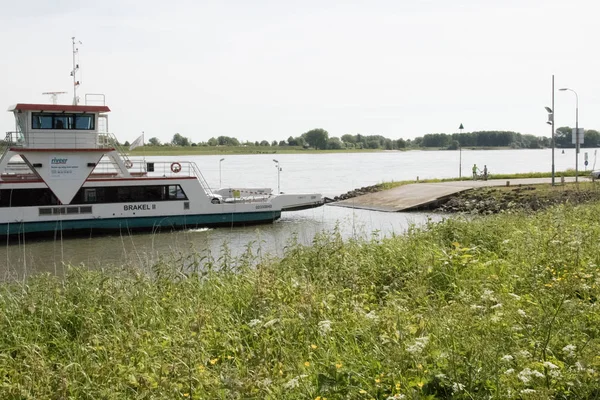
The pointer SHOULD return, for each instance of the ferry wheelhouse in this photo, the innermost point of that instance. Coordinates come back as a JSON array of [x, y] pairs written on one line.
[[61, 171]]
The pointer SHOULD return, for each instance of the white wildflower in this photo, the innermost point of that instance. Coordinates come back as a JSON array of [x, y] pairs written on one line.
[[476, 307], [396, 397], [254, 322], [537, 373], [524, 376], [324, 327], [270, 323], [527, 373], [522, 313], [291, 384], [515, 296], [524, 353], [554, 373], [509, 371], [507, 357], [457, 387], [499, 305], [488, 295], [371, 315], [570, 350], [527, 391], [549, 365], [579, 366], [419, 345], [441, 376], [294, 382]]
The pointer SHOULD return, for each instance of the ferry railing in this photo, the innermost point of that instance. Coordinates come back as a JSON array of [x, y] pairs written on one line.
[[64, 139], [201, 179], [110, 140], [163, 169]]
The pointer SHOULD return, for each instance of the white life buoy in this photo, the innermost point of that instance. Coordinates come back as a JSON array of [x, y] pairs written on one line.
[[175, 167]]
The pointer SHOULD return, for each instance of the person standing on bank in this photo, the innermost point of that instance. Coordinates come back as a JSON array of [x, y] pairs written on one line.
[[485, 172], [475, 171]]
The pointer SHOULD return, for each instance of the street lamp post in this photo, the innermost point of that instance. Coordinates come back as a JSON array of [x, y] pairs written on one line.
[[278, 171], [460, 128], [551, 123], [576, 130], [220, 161]]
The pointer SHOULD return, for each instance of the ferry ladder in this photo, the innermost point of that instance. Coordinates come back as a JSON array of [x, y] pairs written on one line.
[[201, 179]]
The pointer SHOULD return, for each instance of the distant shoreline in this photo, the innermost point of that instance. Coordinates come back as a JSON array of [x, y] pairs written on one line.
[[230, 150]]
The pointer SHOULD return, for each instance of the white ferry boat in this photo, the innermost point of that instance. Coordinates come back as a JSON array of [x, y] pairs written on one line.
[[61, 171]]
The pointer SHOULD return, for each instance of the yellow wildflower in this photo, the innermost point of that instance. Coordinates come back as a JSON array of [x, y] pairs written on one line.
[[214, 361], [306, 364], [398, 386], [186, 395], [361, 391], [420, 385], [313, 346], [338, 365], [377, 380]]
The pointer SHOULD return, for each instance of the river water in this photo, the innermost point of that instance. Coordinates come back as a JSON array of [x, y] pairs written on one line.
[[330, 174]]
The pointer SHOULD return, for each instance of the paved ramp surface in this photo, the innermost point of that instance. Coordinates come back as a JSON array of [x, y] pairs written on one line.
[[417, 195]]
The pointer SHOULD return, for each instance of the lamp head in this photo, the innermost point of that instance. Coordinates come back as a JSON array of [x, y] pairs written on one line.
[[548, 109], [221, 159], [274, 160], [563, 89]]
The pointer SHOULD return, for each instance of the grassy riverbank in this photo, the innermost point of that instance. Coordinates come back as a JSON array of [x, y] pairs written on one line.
[[499, 307]]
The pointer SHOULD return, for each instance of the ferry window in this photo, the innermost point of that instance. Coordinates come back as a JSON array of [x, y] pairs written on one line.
[[63, 121], [89, 195], [27, 197], [175, 192], [60, 122], [120, 194], [41, 121], [84, 122]]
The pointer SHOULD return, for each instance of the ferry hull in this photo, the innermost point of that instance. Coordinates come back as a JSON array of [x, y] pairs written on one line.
[[139, 223]]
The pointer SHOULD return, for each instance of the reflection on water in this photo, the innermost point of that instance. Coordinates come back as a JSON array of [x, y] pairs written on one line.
[[141, 249]]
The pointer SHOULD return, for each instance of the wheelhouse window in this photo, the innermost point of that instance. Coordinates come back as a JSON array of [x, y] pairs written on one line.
[[63, 121]]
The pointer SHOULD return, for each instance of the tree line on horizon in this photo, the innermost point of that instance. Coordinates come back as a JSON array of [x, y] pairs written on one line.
[[319, 139]]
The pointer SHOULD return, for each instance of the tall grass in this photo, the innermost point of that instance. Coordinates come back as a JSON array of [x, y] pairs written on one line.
[[501, 307]]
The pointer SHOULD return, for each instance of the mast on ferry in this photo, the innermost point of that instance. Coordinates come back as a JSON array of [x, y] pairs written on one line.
[[74, 71]]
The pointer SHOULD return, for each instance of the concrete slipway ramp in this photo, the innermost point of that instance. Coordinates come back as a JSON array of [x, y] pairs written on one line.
[[418, 195]]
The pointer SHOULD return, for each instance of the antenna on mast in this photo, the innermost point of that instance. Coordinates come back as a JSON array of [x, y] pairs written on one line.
[[74, 71], [54, 95]]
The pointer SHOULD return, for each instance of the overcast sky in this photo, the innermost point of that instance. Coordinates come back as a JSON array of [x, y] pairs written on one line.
[[263, 69]]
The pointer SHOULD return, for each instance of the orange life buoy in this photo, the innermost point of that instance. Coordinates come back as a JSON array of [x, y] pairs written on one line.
[[175, 167]]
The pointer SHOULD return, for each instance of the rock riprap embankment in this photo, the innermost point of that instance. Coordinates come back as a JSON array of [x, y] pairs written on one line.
[[526, 198]]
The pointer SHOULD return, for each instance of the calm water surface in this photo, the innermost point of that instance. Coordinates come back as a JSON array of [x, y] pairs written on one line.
[[329, 174]]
